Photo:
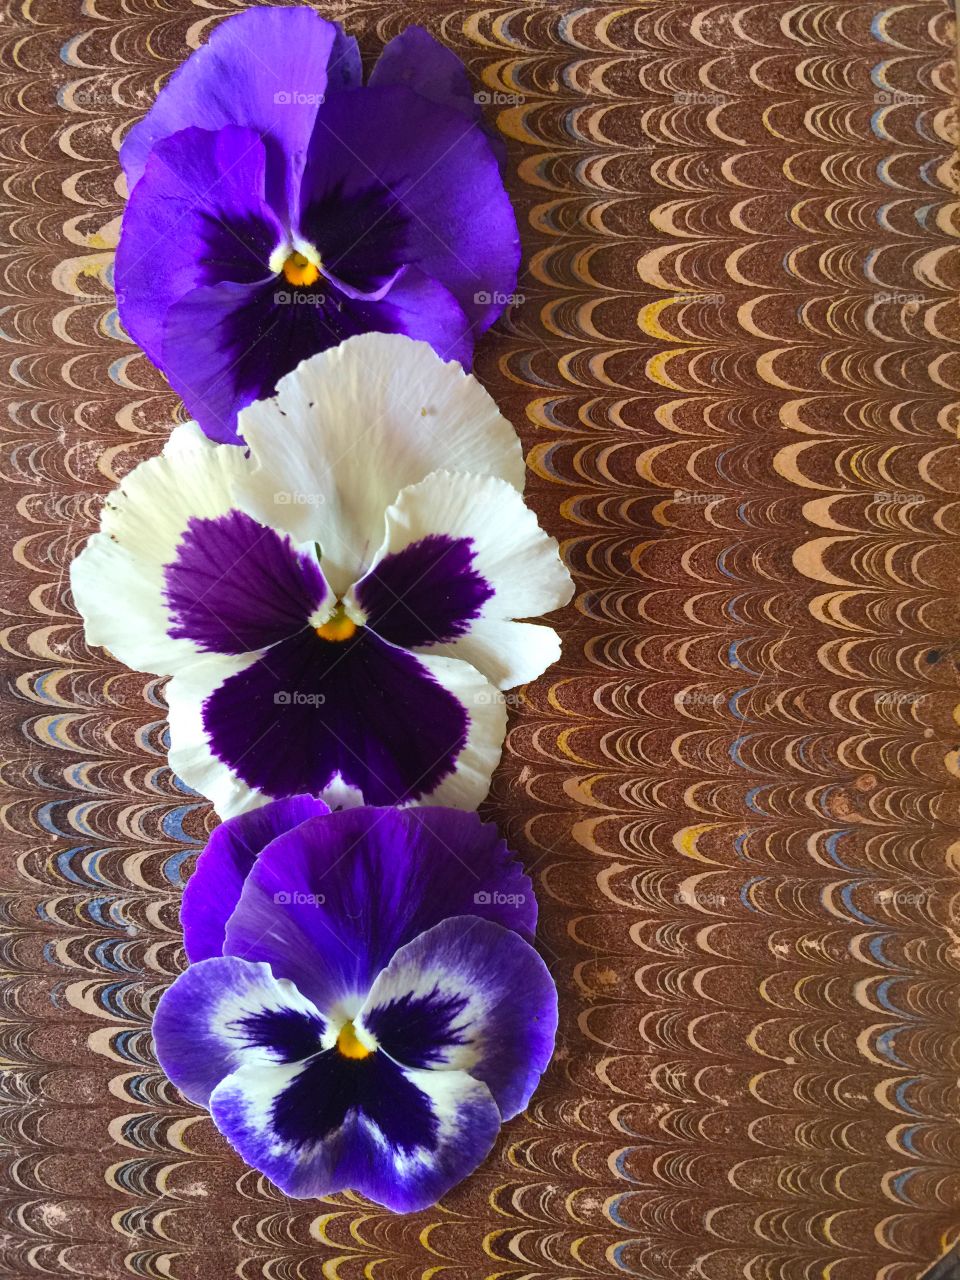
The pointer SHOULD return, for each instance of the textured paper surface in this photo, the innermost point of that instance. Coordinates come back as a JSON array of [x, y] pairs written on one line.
[[733, 370]]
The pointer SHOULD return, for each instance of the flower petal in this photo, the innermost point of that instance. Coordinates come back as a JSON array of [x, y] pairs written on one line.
[[225, 346], [310, 709], [118, 579], [415, 59], [213, 890], [427, 590], [460, 551], [468, 995], [266, 69], [436, 173], [224, 1012], [402, 1138], [235, 585], [374, 396], [328, 904], [426, 311], [197, 218], [190, 756], [345, 69]]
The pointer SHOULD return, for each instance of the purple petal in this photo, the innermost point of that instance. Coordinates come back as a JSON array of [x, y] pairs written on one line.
[[265, 69], [213, 890], [344, 70], [469, 995], [236, 585], [427, 593], [197, 218], [228, 345], [425, 310], [310, 709], [437, 184], [418, 61], [225, 346], [402, 1138], [327, 905], [224, 1012]]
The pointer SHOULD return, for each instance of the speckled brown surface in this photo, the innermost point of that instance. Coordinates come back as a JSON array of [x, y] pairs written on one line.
[[735, 372]]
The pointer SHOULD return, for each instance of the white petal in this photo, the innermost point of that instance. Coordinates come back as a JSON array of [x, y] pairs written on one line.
[[117, 580], [510, 552], [341, 795], [353, 425], [508, 653], [470, 781], [190, 756]]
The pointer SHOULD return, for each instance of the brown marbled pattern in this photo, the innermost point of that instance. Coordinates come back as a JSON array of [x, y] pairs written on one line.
[[735, 370]]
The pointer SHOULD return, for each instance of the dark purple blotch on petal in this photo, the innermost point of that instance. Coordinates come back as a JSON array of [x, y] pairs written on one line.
[[441, 181], [236, 586], [311, 708], [317, 1102], [428, 593], [360, 234], [513, 1019], [290, 1034], [417, 1030], [198, 218]]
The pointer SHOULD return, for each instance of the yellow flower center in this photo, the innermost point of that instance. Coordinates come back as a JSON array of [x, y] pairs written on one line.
[[298, 270], [338, 626], [349, 1045]]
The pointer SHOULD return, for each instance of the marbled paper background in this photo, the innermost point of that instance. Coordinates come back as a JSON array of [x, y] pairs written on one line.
[[735, 369]]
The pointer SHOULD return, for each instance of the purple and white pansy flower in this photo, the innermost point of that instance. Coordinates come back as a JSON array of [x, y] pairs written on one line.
[[363, 1008], [337, 605], [278, 206]]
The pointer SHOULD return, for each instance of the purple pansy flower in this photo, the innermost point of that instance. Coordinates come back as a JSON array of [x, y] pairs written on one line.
[[363, 1009], [337, 620], [277, 207]]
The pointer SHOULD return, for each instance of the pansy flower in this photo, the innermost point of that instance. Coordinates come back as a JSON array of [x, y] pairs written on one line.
[[363, 1009], [337, 606], [279, 206]]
